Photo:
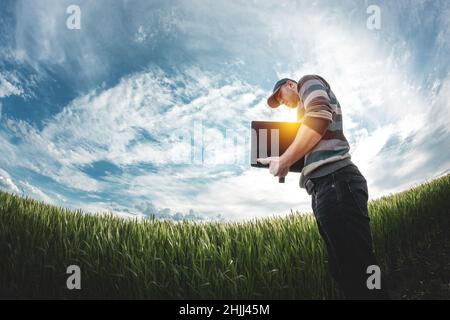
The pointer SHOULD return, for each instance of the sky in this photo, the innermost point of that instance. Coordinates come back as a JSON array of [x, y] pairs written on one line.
[[144, 107]]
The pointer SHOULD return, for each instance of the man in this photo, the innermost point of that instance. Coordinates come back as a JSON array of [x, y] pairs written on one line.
[[338, 189]]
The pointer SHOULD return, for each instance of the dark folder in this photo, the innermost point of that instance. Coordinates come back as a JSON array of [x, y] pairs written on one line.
[[271, 139]]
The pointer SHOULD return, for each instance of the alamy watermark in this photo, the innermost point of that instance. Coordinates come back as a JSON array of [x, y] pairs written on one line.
[[73, 21], [202, 145], [374, 19], [74, 280], [374, 280]]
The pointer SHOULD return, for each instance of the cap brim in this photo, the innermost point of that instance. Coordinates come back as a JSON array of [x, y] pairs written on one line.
[[272, 101]]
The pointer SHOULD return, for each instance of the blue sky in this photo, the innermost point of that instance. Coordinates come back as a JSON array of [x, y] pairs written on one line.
[[109, 117]]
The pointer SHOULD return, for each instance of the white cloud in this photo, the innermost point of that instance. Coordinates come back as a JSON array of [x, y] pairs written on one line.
[[140, 35], [253, 194], [37, 153], [6, 183], [108, 126], [35, 192], [23, 188], [7, 88], [104, 208]]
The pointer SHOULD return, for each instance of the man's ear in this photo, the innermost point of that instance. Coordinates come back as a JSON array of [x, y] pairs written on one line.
[[291, 84]]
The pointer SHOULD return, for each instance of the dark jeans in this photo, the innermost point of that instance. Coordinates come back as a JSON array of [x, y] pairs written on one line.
[[339, 203]]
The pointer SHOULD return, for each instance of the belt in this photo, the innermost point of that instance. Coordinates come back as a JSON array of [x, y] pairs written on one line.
[[309, 186]]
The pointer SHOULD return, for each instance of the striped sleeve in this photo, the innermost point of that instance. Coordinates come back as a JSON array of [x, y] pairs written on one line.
[[313, 92], [317, 124]]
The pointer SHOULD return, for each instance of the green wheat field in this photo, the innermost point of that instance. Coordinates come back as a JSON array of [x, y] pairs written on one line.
[[270, 258]]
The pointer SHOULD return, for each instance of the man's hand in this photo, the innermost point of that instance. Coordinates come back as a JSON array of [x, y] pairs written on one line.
[[277, 166], [305, 140]]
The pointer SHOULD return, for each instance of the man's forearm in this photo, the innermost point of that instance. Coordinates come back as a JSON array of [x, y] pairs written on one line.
[[304, 141]]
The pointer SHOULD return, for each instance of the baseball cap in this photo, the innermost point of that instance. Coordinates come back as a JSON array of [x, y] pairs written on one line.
[[271, 101]]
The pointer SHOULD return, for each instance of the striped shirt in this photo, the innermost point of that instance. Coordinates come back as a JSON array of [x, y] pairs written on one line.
[[317, 100]]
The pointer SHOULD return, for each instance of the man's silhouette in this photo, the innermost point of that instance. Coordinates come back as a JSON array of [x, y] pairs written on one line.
[[338, 190]]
